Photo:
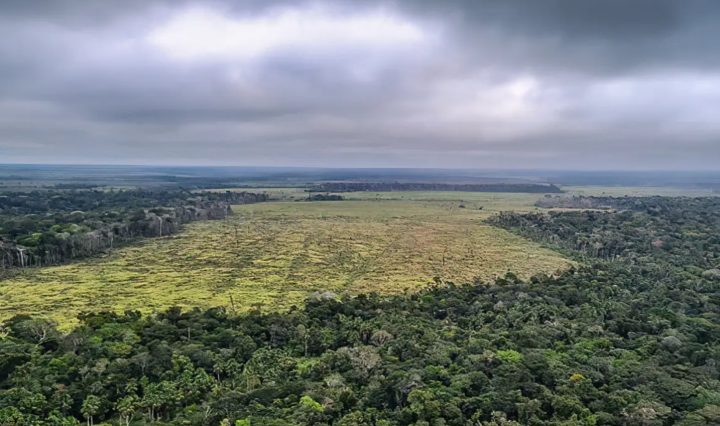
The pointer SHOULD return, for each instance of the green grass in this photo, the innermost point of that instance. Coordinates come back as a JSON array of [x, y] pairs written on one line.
[[275, 254]]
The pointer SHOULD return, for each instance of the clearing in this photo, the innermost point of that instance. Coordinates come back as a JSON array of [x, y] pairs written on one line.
[[274, 254]]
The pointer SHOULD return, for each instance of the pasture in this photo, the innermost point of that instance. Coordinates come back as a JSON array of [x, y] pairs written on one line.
[[273, 255]]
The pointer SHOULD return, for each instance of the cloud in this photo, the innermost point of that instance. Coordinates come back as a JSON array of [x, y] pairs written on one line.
[[202, 34], [532, 84]]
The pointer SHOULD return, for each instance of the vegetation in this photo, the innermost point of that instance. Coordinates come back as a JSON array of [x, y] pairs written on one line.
[[325, 197], [639, 191], [405, 186], [629, 338], [680, 231], [492, 201], [275, 254], [40, 228]]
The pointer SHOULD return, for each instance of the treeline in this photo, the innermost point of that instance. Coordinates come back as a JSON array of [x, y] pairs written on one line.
[[324, 197], [404, 186], [629, 342], [53, 201], [681, 231], [649, 204], [48, 227]]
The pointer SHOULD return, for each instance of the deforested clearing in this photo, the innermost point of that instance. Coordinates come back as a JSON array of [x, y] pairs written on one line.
[[273, 255]]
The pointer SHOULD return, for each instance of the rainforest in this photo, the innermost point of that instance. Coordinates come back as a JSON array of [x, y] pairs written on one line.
[[359, 213], [366, 308]]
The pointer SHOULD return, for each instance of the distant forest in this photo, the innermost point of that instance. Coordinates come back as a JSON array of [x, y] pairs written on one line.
[[629, 337], [41, 228], [402, 186]]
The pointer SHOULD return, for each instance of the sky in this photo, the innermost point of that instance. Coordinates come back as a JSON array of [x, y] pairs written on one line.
[[542, 84]]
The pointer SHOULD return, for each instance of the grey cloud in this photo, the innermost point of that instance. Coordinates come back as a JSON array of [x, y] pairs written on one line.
[[527, 83], [591, 37]]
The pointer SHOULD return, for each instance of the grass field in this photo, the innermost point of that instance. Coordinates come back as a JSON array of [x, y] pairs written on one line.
[[490, 201], [506, 200], [275, 254]]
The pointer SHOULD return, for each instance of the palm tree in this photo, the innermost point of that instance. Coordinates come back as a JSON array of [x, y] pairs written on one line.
[[90, 408]]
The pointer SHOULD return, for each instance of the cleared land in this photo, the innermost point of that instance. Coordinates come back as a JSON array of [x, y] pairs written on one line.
[[505, 200], [275, 254]]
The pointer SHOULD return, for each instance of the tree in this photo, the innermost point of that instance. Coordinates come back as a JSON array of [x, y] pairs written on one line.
[[90, 408], [126, 407]]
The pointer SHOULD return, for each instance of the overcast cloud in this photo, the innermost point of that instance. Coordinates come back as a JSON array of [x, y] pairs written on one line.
[[561, 84]]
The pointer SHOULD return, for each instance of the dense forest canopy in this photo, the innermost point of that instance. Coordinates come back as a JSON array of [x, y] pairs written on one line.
[[630, 338]]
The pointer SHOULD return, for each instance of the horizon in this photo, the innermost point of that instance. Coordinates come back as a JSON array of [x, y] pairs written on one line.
[[259, 176], [300, 167]]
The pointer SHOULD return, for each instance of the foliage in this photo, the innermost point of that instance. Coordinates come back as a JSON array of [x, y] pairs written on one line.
[[425, 186], [40, 228], [631, 339], [324, 197]]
